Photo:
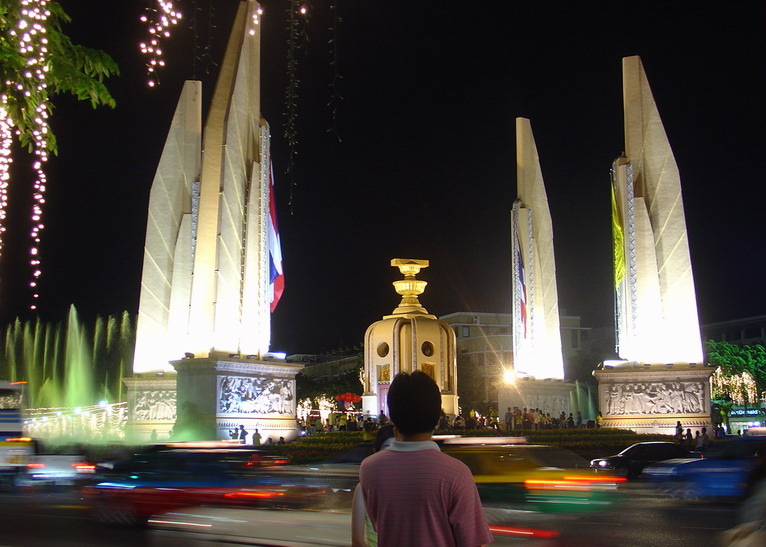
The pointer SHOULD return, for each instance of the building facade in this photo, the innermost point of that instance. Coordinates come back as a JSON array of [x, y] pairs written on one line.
[[485, 350]]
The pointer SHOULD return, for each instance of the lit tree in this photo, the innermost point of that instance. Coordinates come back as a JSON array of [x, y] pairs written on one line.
[[739, 388], [734, 360], [37, 60]]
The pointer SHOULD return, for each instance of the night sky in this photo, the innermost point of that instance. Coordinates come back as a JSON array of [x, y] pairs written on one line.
[[425, 164]]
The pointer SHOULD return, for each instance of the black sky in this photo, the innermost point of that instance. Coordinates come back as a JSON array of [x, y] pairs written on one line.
[[426, 166]]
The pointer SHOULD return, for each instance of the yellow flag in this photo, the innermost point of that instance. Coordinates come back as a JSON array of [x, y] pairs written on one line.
[[618, 241]]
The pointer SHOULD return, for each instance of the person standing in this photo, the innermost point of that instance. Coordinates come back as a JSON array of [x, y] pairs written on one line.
[[703, 440], [508, 419], [242, 434], [415, 495], [256, 438], [362, 532], [689, 440], [679, 436]]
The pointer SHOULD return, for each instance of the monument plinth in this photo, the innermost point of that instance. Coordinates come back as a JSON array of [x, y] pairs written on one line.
[[409, 339], [652, 398], [218, 394]]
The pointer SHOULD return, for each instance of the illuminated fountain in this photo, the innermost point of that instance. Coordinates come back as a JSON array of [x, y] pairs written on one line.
[[74, 374]]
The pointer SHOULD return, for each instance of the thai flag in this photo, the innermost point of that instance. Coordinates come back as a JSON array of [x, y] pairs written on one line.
[[522, 297], [276, 274]]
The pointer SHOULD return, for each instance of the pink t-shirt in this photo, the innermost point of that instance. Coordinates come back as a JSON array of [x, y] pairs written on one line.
[[415, 495]]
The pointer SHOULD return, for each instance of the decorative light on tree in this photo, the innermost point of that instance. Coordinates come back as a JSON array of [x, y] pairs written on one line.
[[37, 59], [325, 406], [6, 139], [740, 387], [256, 20], [159, 20], [30, 40]]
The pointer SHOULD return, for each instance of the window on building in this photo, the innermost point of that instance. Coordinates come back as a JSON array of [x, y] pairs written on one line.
[[466, 332]]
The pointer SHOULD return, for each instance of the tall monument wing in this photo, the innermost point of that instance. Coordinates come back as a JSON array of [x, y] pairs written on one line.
[[537, 338], [205, 281], [231, 256], [669, 330], [166, 276]]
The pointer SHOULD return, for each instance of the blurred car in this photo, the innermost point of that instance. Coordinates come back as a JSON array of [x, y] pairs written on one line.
[[520, 485], [723, 472], [508, 473], [536, 477], [163, 479], [56, 470], [632, 461]]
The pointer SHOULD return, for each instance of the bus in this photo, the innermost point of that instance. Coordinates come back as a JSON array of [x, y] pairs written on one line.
[[16, 449]]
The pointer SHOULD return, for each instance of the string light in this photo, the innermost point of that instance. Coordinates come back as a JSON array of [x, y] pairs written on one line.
[[256, 20], [159, 21], [29, 37], [742, 388], [6, 139]]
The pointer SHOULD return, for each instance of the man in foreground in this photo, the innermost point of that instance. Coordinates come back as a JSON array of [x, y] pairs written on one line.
[[414, 494]]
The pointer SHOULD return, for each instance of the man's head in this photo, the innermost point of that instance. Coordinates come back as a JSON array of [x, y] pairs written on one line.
[[414, 403]]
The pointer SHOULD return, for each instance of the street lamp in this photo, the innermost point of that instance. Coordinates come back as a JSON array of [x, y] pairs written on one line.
[[509, 376]]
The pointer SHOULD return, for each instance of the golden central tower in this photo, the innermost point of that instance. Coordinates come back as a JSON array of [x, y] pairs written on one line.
[[409, 339]]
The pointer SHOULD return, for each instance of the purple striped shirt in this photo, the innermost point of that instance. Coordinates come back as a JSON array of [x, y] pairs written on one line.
[[415, 495]]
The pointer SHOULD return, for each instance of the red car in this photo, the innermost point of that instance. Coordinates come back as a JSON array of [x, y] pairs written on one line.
[[165, 479]]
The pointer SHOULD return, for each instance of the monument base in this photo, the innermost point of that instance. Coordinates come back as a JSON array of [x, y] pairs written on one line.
[[151, 407], [209, 398], [217, 395], [652, 398], [551, 396]]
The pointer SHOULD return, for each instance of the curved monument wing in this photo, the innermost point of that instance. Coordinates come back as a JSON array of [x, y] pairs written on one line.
[[165, 279], [657, 184], [539, 352]]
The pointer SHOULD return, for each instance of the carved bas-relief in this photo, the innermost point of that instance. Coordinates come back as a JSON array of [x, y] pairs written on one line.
[[245, 395], [553, 403], [654, 398], [155, 405]]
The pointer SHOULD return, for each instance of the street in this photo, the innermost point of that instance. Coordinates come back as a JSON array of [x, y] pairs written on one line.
[[641, 519]]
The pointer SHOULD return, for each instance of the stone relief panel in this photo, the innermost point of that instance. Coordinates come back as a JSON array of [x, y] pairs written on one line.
[[246, 395], [155, 405], [554, 404], [654, 398]]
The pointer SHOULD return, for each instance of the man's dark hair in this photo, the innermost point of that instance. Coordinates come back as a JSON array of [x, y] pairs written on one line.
[[414, 402]]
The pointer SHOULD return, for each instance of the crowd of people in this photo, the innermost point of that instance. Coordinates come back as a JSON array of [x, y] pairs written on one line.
[[342, 421], [256, 439], [700, 439], [535, 418]]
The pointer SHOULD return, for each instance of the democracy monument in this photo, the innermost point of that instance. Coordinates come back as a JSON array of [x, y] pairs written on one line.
[[202, 364]]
